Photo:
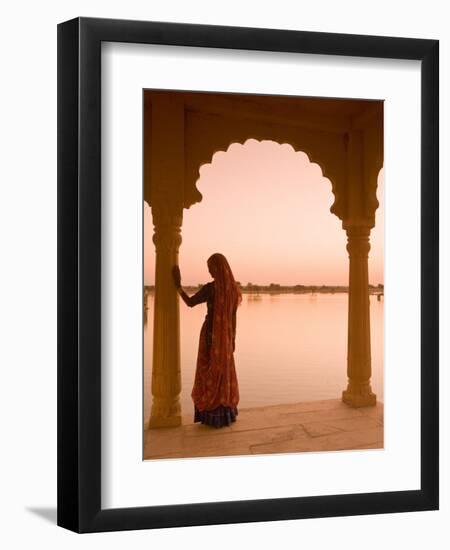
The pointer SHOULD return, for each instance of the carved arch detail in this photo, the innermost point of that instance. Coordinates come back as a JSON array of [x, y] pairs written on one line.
[[373, 155], [206, 135]]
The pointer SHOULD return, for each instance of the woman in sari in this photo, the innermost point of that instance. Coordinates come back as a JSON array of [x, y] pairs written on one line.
[[215, 392]]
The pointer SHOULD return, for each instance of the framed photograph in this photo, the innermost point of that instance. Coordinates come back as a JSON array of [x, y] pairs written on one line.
[[247, 275]]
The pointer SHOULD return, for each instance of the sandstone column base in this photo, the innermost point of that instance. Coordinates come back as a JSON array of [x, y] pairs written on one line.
[[359, 395], [165, 415]]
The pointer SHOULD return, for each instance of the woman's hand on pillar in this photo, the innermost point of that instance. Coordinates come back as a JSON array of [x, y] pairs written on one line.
[[176, 276]]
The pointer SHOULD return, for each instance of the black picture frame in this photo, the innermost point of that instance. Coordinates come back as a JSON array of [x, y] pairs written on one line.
[[79, 274]]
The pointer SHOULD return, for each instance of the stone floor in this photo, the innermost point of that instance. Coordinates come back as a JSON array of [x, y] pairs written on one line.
[[313, 426]]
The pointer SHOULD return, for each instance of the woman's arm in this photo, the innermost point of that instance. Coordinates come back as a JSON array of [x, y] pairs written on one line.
[[191, 301]]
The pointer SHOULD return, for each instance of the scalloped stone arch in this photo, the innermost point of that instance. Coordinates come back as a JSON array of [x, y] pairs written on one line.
[[329, 151], [334, 209]]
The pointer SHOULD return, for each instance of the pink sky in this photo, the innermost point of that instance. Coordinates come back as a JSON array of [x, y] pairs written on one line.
[[266, 208]]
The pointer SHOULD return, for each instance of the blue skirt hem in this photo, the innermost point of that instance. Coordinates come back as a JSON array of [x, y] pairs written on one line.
[[218, 417]]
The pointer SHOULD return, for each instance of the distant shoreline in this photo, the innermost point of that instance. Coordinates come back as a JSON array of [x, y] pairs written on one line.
[[281, 289]]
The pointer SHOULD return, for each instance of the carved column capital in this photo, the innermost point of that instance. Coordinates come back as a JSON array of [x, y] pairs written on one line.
[[358, 244], [167, 228]]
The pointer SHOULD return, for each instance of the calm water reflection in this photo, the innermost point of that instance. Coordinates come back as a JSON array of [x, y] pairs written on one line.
[[289, 348]]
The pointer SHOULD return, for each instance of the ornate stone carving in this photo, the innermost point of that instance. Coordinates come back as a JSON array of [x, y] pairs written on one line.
[[193, 195], [167, 229], [358, 245]]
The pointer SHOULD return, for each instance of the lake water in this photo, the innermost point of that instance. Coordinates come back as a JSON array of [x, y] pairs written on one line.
[[289, 348]]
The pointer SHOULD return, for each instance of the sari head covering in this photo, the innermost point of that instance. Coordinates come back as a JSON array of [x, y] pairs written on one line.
[[227, 294], [216, 381]]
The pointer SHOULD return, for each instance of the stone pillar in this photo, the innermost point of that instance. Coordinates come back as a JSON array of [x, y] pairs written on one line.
[[166, 375], [359, 368]]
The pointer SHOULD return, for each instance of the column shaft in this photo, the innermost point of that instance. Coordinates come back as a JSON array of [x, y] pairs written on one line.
[[359, 369], [166, 375]]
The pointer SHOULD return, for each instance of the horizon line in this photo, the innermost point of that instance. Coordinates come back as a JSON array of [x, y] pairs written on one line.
[[250, 285]]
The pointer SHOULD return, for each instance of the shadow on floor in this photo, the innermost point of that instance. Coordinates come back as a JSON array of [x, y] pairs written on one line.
[[48, 514]]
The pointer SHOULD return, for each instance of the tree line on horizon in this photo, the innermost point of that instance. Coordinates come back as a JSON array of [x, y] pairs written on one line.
[[250, 287]]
